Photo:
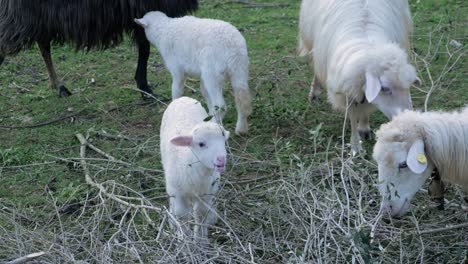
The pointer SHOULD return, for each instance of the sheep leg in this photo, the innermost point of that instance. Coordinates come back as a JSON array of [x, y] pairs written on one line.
[[177, 85], [141, 71], [363, 126], [180, 207], [205, 94], [355, 139], [2, 58], [204, 216], [315, 90], [364, 110], [243, 101], [214, 89], [55, 83]]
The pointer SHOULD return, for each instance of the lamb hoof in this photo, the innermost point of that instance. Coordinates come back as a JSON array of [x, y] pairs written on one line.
[[365, 134], [63, 92], [356, 149], [242, 132], [242, 129], [314, 99]]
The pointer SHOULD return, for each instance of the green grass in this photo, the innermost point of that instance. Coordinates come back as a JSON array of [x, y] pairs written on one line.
[[291, 154]]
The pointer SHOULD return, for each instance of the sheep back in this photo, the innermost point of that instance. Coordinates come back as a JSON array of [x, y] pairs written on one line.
[[213, 43], [345, 38], [85, 23]]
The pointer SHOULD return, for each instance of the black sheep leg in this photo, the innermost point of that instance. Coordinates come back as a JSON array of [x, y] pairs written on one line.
[[55, 83], [1, 59], [141, 71]]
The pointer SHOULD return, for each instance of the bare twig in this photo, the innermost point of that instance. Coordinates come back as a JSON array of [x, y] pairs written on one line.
[[21, 88], [26, 258], [102, 189], [105, 134], [443, 229], [129, 105], [44, 123], [249, 4]]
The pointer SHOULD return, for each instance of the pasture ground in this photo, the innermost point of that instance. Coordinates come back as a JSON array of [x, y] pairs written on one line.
[[292, 192]]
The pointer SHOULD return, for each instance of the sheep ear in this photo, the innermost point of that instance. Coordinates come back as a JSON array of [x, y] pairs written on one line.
[[141, 22], [417, 160], [373, 87], [182, 141]]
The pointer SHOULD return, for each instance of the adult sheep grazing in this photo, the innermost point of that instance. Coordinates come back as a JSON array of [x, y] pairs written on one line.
[[414, 144], [85, 23], [358, 50], [216, 50], [193, 155]]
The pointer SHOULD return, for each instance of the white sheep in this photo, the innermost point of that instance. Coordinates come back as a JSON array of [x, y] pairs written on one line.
[[411, 146], [207, 49], [193, 155], [358, 50]]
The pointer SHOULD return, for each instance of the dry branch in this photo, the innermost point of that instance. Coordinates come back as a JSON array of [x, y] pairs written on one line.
[[44, 123], [26, 258], [102, 189], [249, 4], [443, 229]]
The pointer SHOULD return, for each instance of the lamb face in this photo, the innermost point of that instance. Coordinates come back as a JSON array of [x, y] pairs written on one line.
[[208, 143], [403, 168]]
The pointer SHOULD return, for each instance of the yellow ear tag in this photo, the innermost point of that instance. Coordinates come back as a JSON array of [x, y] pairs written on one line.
[[421, 158]]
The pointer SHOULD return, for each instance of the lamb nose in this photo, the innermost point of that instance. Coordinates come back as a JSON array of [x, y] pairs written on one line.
[[221, 160]]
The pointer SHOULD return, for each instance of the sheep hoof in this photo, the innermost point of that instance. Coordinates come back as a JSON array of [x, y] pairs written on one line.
[[314, 99], [63, 92], [356, 149], [440, 203], [146, 92], [365, 134], [242, 129], [147, 95]]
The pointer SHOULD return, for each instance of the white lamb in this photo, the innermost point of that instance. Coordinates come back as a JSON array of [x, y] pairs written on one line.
[[411, 146], [358, 49], [208, 49], [193, 155]]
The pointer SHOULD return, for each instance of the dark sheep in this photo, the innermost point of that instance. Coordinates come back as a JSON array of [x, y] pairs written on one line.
[[88, 24]]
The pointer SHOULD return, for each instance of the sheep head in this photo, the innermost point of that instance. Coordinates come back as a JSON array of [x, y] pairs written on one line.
[[150, 18], [403, 168], [207, 142], [388, 80]]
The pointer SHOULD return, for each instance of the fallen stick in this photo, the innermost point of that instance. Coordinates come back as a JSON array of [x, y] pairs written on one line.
[[114, 137], [249, 4], [102, 189], [26, 258], [44, 123], [442, 229]]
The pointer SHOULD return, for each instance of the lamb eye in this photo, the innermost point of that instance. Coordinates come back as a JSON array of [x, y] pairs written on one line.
[[402, 165], [201, 144], [385, 89]]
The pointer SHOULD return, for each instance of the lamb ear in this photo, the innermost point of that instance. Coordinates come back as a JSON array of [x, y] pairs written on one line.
[[373, 87], [141, 22], [182, 141], [417, 160]]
